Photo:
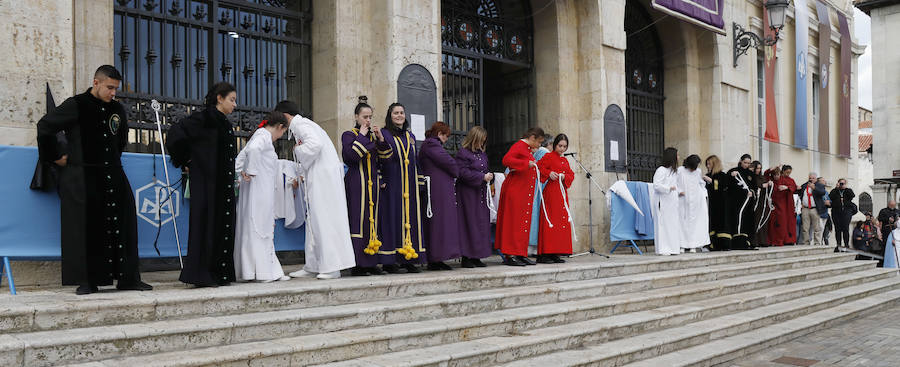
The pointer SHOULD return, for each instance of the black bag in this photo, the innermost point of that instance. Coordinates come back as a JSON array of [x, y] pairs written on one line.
[[851, 209]]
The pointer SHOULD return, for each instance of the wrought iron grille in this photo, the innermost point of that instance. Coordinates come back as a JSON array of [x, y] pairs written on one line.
[[461, 95], [644, 94], [482, 27], [487, 50], [174, 50]]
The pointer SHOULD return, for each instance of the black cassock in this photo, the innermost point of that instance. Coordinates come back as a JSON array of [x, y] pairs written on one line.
[[204, 142], [720, 231], [98, 223], [742, 223]]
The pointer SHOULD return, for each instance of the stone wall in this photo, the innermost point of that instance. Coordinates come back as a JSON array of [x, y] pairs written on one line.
[[38, 44]]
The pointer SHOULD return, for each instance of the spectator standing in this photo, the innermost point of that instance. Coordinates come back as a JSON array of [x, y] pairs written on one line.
[[842, 208], [811, 200]]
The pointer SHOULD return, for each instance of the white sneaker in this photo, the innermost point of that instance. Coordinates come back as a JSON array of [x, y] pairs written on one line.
[[301, 273], [283, 278], [332, 275]]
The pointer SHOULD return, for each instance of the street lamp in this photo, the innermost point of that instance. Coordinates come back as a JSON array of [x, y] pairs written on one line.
[[743, 40]]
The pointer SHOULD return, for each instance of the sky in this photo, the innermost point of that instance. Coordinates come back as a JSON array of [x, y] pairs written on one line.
[[863, 32]]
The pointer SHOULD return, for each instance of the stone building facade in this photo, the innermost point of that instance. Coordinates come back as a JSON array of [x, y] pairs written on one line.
[[574, 59]]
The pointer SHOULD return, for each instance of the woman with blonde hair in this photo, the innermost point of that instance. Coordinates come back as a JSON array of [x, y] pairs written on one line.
[[472, 196], [717, 185]]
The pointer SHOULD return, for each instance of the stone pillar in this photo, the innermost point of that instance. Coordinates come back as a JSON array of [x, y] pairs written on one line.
[[93, 21], [360, 47], [885, 96], [37, 39]]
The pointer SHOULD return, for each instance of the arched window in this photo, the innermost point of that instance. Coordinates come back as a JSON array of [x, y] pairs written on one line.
[[865, 202]]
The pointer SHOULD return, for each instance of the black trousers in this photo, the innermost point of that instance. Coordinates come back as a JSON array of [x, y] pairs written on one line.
[[841, 228]]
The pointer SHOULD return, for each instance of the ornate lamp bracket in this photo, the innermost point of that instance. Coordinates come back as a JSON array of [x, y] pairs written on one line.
[[744, 39]]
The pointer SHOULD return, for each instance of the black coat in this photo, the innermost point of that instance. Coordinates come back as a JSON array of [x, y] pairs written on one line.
[[743, 223], [818, 195], [719, 229], [204, 142], [839, 199], [97, 211]]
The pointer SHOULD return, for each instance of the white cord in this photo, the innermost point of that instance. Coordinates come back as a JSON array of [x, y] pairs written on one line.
[[541, 193], [428, 212], [488, 198], [562, 190]]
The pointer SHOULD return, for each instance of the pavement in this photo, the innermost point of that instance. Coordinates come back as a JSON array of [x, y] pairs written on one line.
[[870, 341]]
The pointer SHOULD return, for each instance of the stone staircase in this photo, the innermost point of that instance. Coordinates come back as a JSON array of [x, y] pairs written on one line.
[[693, 309]]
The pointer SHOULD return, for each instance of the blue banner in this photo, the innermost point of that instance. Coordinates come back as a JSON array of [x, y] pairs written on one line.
[[801, 29], [29, 225]]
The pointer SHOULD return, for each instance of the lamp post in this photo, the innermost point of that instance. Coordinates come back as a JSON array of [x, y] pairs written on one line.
[[744, 39]]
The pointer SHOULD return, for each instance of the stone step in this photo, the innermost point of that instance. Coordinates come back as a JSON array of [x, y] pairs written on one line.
[[526, 344], [162, 336], [336, 346], [726, 349], [53, 311], [595, 352]]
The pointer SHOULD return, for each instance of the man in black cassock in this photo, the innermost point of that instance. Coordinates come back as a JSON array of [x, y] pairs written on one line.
[[741, 199], [97, 210]]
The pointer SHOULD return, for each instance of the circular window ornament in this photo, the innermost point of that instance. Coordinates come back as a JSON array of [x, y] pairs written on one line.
[[516, 45]]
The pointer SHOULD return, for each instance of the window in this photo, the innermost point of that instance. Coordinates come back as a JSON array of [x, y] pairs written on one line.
[[814, 142], [865, 202]]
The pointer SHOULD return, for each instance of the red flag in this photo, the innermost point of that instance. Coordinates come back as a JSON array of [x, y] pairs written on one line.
[[770, 59]]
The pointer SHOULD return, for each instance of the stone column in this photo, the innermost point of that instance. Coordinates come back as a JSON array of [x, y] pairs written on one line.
[[360, 47], [94, 37], [885, 96]]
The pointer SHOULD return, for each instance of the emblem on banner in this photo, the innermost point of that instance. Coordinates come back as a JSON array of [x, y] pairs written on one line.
[[846, 87], [152, 205], [801, 65], [824, 74]]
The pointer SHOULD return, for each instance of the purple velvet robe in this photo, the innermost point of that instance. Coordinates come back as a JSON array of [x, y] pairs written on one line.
[[391, 206], [474, 215], [360, 154], [442, 229]]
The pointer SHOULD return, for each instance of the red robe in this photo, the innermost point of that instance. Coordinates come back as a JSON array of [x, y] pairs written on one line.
[[783, 224], [516, 197], [556, 240]]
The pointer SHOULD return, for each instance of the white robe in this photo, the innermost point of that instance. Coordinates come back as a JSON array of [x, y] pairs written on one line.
[[328, 247], [666, 212], [254, 248], [291, 203], [694, 209], [495, 200]]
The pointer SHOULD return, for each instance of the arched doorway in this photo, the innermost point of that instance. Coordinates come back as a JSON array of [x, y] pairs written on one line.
[[644, 93], [486, 70]]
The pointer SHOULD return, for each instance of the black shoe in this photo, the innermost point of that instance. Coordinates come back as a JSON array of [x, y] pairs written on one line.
[[136, 286], [435, 266], [557, 259], [544, 259], [512, 261], [359, 272], [525, 260], [467, 262], [391, 269], [410, 268], [478, 263], [375, 271], [86, 289]]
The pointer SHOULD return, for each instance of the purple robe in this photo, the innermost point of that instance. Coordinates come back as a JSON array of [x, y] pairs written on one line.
[[442, 229], [360, 154], [391, 205], [474, 215]]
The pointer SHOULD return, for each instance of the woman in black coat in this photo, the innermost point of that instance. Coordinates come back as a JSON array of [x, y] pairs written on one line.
[[203, 144], [841, 199]]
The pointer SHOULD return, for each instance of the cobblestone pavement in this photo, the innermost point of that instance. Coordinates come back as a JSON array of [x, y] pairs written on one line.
[[870, 341]]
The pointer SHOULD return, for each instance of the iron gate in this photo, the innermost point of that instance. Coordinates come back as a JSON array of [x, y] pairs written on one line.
[[475, 33], [644, 94], [174, 50]]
